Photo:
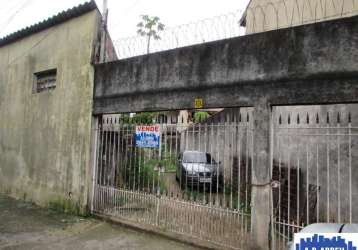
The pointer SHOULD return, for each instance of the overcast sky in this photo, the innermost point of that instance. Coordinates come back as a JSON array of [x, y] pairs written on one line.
[[123, 14]]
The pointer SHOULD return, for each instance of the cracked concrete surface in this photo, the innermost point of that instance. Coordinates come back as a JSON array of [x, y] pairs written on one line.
[[25, 226]]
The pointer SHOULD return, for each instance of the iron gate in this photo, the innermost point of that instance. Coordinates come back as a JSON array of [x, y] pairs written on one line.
[[197, 183], [314, 158]]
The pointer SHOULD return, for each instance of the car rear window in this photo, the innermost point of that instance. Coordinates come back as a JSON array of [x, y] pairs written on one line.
[[194, 157]]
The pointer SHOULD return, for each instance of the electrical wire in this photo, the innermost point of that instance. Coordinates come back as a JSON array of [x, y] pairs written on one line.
[[9, 8], [9, 20], [127, 11]]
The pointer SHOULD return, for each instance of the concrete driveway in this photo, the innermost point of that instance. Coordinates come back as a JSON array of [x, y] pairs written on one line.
[[26, 226]]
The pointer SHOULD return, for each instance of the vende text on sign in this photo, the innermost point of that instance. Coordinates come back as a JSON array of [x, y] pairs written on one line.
[[147, 136]]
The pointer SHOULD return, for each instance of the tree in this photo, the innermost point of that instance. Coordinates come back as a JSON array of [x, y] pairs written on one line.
[[149, 27]]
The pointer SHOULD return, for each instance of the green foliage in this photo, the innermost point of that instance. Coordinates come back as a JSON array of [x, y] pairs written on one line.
[[140, 118], [149, 27], [66, 206], [169, 164], [150, 175], [145, 172], [240, 204], [168, 159], [126, 118], [144, 118], [201, 116], [193, 194]]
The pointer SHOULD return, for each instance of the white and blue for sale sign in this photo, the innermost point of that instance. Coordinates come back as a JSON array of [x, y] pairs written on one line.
[[147, 136]]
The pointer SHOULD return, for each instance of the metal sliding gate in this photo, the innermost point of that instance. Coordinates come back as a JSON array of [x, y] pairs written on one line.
[[314, 158], [197, 183]]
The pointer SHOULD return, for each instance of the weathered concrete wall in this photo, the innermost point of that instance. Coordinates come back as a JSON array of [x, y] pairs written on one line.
[[306, 64], [311, 64], [45, 137]]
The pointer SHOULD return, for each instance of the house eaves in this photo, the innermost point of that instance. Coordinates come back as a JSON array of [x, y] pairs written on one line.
[[49, 22]]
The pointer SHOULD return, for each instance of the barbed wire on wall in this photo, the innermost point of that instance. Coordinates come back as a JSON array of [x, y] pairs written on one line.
[[207, 30], [258, 17], [288, 13]]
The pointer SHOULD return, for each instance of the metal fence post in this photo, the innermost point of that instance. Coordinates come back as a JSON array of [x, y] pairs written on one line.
[[158, 197], [261, 180]]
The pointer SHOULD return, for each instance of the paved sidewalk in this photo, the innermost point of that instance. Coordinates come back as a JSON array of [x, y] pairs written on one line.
[[26, 226]]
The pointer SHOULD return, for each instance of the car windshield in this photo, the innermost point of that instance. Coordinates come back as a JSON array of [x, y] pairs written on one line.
[[194, 157]]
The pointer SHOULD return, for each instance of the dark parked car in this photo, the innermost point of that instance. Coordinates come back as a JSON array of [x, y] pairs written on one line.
[[197, 168]]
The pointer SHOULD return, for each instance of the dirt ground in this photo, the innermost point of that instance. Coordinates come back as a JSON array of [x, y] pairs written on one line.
[[26, 226]]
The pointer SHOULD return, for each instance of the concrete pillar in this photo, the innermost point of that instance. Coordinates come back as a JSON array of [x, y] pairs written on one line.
[[261, 176], [93, 161]]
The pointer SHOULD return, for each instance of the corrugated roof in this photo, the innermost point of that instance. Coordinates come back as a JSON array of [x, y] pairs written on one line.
[[49, 22]]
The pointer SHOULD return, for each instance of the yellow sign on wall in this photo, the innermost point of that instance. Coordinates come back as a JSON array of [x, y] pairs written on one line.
[[198, 103]]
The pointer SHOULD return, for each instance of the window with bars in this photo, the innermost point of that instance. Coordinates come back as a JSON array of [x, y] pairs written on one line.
[[45, 81]]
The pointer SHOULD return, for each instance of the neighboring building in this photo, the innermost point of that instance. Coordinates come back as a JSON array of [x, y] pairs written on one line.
[[46, 93], [182, 119], [178, 118], [168, 117], [264, 15]]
